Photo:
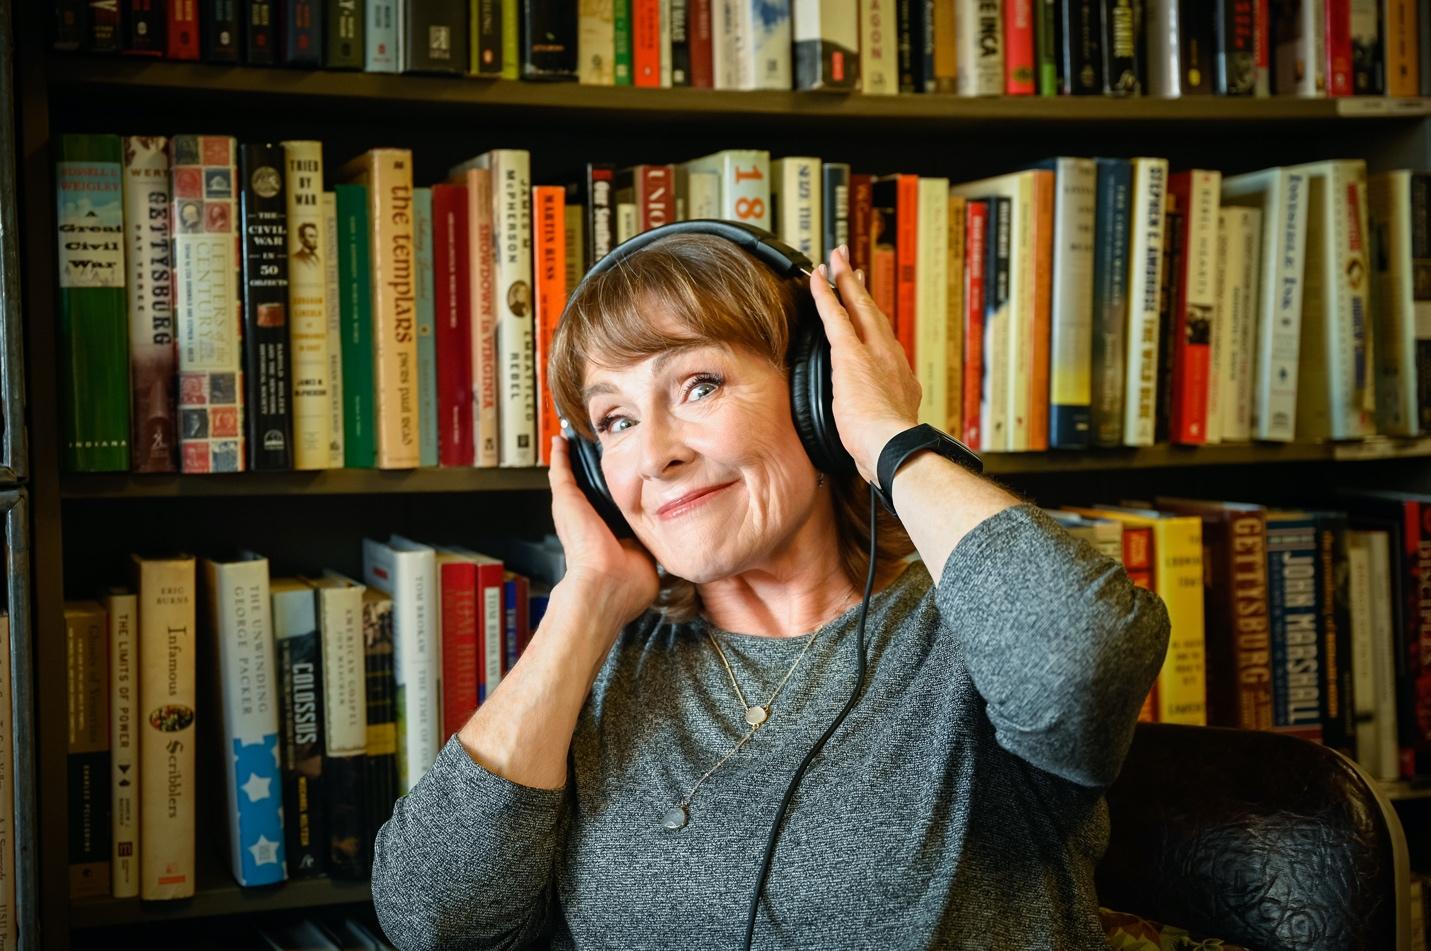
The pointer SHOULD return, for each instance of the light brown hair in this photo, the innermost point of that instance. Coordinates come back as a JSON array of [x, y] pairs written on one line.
[[715, 291]]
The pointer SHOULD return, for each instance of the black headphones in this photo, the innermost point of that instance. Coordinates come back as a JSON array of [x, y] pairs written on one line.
[[808, 357]]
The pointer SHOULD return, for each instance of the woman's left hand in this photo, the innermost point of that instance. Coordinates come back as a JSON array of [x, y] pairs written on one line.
[[876, 395]]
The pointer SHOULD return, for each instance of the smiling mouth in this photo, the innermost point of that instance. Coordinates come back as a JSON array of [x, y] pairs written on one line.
[[688, 502]]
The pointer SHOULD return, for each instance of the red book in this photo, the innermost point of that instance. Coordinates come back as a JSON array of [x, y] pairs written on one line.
[[1138, 563], [1339, 51], [1043, 311], [452, 304], [1193, 198], [517, 605], [183, 30], [861, 201], [1261, 28], [646, 43], [906, 254], [549, 269], [458, 581], [698, 33], [977, 218], [1019, 48]]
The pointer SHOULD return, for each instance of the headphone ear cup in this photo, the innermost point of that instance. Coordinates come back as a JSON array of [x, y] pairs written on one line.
[[586, 468], [811, 393]]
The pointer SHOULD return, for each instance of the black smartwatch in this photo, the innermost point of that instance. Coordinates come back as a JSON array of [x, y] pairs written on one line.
[[915, 440]]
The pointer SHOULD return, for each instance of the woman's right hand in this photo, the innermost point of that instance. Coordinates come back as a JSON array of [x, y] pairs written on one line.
[[619, 574]]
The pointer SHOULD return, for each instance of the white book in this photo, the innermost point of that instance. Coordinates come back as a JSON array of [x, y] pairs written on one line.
[[380, 33], [626, 224], [727, 40], [1145, 271], [1199, 282], [979, 57], [1393, 304], [340, 627], [663, 43], [1070, 372], [827, 43], [1229, 392], [931, 302], [702, 195], [744, 176], [796, 201], [334, 315], [596, 43], [1369, 565], [122, 609], [879, 47], [1335, 396], [407, 573], [768, 52], [1281, 195], [246, 676], [309, 363], [512, 293]]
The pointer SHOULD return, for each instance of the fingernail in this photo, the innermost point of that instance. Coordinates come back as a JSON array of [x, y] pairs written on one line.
[[860, 273], [845, 252], [821, 269]]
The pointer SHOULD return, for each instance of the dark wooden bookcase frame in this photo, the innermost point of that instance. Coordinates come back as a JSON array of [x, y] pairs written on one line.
[[84, 524]]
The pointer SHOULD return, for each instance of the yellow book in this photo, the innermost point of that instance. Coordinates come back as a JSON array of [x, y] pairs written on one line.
[[388, 175], [1177, 578], [87, 663], [954, 337], [167, 701], [307, 305]]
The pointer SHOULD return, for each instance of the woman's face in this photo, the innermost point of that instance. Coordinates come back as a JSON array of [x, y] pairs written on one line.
[[700, 454]]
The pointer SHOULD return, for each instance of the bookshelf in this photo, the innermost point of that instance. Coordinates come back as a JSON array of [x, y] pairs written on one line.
[[83, 525]]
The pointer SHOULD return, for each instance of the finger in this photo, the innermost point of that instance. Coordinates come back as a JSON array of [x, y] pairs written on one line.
[[838, 326], [870, 322], [559, 473]]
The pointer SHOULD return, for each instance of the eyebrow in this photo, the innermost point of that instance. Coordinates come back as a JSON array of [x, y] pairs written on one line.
[[599, 389]]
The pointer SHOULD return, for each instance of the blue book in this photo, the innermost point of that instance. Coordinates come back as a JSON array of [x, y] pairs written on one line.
[[512, 593], [1111, 222], [1294, 606], [380, 30], [427, 414]]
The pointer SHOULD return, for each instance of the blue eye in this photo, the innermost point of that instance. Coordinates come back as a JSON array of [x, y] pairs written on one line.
[[611, 424], [703, 385]]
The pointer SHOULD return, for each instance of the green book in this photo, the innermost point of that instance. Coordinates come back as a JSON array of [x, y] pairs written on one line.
[[426, 328], [510, 59], [360, 447], [1045, 46], [621, 28], [94, 323]]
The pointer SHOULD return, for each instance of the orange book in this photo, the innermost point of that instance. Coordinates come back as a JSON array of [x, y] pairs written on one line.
[[646, 42], [906, 254], [1400, 33], [549, 267], [1038, 350]]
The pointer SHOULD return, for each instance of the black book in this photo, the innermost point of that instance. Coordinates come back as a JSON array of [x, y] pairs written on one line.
[[380, 789], [303, 33], [1167, 292], [1368, 64], [835, 196], [600, 203], [1236, 47], [343, 35], [265, 304], [260, 32], [101, 33], [680, 42], [1338, 710], [1197, 34], [300, 699], [69, 24], [487, 32], [144, 28], [1120, 47], [435, 36], [221, 31], [1078, 32], [548, 39]]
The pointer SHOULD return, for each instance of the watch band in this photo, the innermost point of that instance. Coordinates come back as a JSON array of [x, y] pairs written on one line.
[[914, 440]]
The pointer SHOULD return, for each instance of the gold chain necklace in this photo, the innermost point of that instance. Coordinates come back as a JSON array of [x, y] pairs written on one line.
[[678, 815]]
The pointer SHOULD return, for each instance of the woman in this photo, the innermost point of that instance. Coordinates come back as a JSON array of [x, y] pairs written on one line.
[[618, 786]]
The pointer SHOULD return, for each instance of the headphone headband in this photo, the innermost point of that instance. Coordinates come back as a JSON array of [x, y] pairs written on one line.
[[777, 255]]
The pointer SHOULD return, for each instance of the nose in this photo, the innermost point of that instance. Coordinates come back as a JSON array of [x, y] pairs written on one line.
[[663, 450]]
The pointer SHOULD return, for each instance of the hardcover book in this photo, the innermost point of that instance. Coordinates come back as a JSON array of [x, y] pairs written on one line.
[[149, 252], [265, 297], [307, 270], [87, 663], [300, 695]]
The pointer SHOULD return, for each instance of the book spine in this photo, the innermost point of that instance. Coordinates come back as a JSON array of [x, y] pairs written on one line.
[[308, 278], [94, 331], [167, 698], [181, 33], [1195, 304], [380, 35], [246, 681], [702, 50], [1071, 344], [485, 37], [482, 284], [1080, 47], [144, 28], [827, 51], [1368, 77], [931, 317], [345, 725], [453, 325], [1197, 32], [861, 198], [303, 34], [835, 208], [1414, 641], [596, 41], [1247, 570], [1338, 47], [994, 409], [906, 259], [878, 41], [510, 28], [621, 60], [265, 299], [1120, 47], [1421, 292], [515, 615], [87, 663], [300, 677], [1236, 47], [434, 38], [1399, 36], [1284, 237], [380, 769], [222, 35], [1174, 254], [1394, 303], [343, 43], [425, 303], [260, 32], [1293, 609], [207, 304], [359, 444], [491, 621], [1338, 713], [766, 61], [1019, 78], [795, 204], [1034, 330], [151, 305], [549, 35], [1146, 256], [655, 195], [459, 644], [101, 26], [957, 225], [1046, 46], [512, 232], [1110, 297], [745, 186], [1177, 576], [645, 33], [549, 265], [122, 611], [68, 25], [333, 321], [975, 256], [1262, 47]]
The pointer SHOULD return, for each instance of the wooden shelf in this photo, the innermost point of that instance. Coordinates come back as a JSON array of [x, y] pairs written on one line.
[[215, 898], [378, 482], [1403, 790], [388, 93]]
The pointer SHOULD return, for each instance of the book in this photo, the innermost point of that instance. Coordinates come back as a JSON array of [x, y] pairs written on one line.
[[344, 44], [1293, 584], [796, 205], [9, 910], [1071, 320], [457, 580], [1374, 691], [596, 43], [148, 258], [432, 36], [355, 314], [300, 695], [93, 329], [878, 41], [1078, 36], [1145, 269], [302, 35], [167, 700], [490, 618], [380, 35], [245, 683], [516, 618], [121, 608], [976, 213], [267, 376], [222, 31], [1234, 339], [345, 722], [482, 311], [424, 303], [380, 785], [1121, 63], [549, 270], [87, 763], [1110, 297], [827, 44], [453, 325], [328, 250], [1334, 607], [181, 36], [931, 301], [1394, 304], [1194, 305], [261, 32], [744, 176], [956, 213], [1236, 27], [548, 40], [307, 269], [835, 207]]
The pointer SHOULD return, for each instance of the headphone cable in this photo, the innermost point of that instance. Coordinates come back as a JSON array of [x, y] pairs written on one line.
[[820, 744]]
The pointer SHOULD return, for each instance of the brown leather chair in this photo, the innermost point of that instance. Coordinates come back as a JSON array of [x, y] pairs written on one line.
[[1259, 839]]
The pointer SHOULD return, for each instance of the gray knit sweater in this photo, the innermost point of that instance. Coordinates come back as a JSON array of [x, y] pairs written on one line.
[[959, 805]]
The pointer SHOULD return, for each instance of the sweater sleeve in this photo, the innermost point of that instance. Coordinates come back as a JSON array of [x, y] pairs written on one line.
[[466, 859], [1060, 644]]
